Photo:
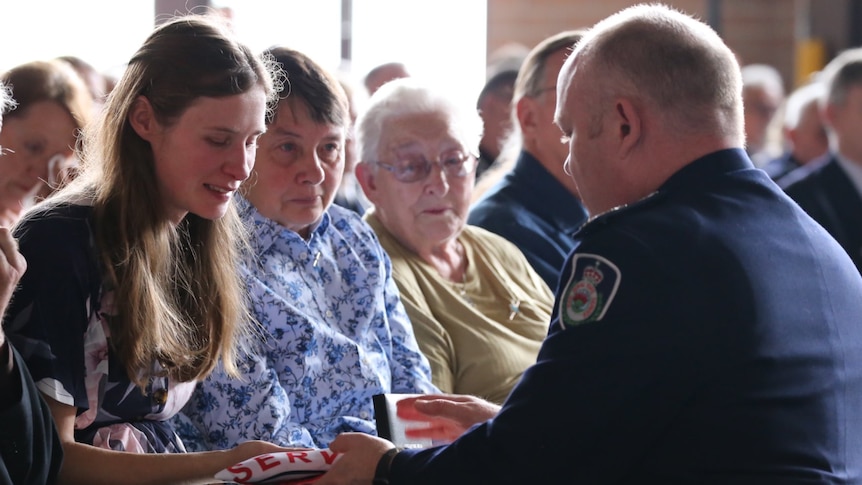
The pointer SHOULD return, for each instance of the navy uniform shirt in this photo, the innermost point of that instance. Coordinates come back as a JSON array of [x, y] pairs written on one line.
[[535, 212], [711, 333]]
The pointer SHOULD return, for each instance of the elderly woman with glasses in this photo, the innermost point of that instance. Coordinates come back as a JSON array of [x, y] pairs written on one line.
[[478, 308]]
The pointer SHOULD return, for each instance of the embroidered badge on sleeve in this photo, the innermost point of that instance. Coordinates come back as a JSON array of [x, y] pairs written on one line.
[[590, 290]]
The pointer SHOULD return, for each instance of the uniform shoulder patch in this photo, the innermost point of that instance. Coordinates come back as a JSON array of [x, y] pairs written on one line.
[[590, 290]]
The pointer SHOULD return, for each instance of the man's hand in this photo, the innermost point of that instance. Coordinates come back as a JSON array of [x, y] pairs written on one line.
[[446, 416], [360, 454], [12, 267]]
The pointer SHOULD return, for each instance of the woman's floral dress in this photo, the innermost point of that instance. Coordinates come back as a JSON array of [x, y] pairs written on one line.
[[58, 321]]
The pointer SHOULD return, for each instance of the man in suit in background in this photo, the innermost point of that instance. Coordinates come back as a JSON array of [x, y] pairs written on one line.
[[831, 190], [804, 131]]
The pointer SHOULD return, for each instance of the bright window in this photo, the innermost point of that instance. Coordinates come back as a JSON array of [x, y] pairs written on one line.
[[442, 41]]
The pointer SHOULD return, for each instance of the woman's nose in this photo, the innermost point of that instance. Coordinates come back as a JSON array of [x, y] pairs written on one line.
[[436, 183], [312, 170], [240, 165]]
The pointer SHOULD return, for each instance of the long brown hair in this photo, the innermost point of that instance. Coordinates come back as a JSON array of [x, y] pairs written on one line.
[[179, 299]]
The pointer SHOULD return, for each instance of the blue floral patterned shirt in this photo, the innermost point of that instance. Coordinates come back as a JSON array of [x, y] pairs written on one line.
[[335, 333]]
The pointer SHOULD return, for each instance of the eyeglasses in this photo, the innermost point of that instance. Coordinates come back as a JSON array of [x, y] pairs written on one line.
[[414, 168]]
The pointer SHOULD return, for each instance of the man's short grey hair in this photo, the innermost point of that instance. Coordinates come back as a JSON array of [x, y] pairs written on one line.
[[800, 99], [765, 77], [405, 97], [671, 61], [6, 102], [843, 73]]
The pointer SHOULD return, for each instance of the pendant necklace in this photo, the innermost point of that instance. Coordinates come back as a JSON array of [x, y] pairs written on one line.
[[514, 308], [462, 290]]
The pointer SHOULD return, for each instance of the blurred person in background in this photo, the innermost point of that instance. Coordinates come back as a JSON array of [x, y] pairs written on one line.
[[762, 96], [536, 205], [40, 136], [804, 130], [830, 190], [495, 107], [349, 193], [382, 74], [98, 84], [30, 453]]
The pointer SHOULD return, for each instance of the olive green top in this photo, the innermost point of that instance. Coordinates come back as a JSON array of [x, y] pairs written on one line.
[[481, 335]]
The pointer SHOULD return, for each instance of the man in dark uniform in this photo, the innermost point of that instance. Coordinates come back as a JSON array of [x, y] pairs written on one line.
[[831, 190], [707, 330], [536, 205], [30, 451]]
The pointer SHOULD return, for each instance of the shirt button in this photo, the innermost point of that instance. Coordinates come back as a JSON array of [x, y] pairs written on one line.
[[303, 256], [328, 313], [364, 415]]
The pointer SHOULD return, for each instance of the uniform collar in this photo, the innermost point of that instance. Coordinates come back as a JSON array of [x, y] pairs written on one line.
[[706, 168], [265, 232], [691, 176]]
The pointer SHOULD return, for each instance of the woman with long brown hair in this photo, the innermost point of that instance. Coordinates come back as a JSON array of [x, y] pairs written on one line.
[[131, 293]]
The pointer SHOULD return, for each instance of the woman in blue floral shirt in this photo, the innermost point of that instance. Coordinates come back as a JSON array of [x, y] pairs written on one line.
[[336, 332]]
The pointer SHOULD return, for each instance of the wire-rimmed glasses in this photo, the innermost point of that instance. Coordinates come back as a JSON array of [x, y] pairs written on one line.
[[414, 168]]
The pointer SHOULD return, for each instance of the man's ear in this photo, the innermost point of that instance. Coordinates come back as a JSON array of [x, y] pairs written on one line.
[[830, 114], [790, 134], [628, 125], [365, 175], [142, 118], [527, 116]]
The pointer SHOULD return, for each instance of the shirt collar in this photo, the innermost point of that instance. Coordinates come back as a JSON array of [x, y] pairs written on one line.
[[853, 170], [265, 232], [558, 203]]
